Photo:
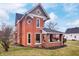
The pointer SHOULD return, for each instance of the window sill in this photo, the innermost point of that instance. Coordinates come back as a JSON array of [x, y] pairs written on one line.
[[37, 27]]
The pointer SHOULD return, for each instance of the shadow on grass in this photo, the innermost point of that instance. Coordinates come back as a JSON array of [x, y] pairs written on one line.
[[21, 48], [52, 48]]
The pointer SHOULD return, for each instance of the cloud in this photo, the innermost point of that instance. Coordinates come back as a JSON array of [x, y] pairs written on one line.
[[21, 10], [3, 16], [52, 19], [71, 8], [6, 9], [62, 29], [11, 7], [49, 5], [74, 23]]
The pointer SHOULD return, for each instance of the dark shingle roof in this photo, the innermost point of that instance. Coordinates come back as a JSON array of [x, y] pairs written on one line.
[[52, 31], [72, 30], [18, 17]]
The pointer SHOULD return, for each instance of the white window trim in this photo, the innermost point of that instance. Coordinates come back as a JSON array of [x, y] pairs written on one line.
[[30, 38], [39, 22], [33, 15], [40, 38]]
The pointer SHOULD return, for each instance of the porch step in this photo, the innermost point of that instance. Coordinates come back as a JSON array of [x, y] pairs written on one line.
[[38, 46]]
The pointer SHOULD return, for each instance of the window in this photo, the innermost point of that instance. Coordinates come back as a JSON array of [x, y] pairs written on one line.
[[29, 21], [29, 37], [54, 38], [38, 23], [37, 38], [74, 36], [38, 12], [51, 38]]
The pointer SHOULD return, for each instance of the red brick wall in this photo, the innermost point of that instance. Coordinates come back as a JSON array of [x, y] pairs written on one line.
[[28, 28], [18, 30], [48, 44]]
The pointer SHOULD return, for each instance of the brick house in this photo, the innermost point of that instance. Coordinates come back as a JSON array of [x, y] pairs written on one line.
[[30, 31]]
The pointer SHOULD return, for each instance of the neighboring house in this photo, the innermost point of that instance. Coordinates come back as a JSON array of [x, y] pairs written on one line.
[[30, 31], [72, 33]]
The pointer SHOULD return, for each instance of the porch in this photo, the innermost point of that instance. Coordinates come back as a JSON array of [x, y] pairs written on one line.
[[51, 38]]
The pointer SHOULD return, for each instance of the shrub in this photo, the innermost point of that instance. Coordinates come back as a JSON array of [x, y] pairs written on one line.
[[64, 40]]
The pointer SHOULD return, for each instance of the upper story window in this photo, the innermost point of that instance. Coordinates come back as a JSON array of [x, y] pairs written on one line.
[[38, 12], [38, 23]]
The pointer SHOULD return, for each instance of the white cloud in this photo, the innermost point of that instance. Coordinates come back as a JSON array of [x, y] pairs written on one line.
[[70, 8], [3, 16], [52, 19], [21, 10], [62, 29], [11, 7], [49, 5], [7, 8], [74, 23]]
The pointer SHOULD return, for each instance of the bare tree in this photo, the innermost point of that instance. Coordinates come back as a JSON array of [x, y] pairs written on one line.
[[51, 25], [5, 35]]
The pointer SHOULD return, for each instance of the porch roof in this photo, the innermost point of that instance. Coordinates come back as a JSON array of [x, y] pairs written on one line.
[[48, 31]]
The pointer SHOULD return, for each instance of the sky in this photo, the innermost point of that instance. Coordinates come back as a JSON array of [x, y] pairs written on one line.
[[64, 14]]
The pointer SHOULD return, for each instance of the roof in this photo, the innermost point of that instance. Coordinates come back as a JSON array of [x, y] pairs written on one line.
[[52, 31], [20, 16], [72, 30], [42, 9]]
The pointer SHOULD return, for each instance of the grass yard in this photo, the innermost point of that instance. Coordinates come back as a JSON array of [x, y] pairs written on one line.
[[72, 49]]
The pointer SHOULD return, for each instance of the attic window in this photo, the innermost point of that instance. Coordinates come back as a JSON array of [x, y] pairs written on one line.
[[38, 12], [29, 21]]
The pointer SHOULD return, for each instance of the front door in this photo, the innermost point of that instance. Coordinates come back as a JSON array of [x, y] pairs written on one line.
[[38, 38]]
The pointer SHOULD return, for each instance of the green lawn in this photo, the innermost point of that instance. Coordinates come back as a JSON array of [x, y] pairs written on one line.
[[72, 49]]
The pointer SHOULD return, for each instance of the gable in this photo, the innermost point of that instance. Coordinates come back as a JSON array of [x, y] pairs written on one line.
[[39, 10]]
